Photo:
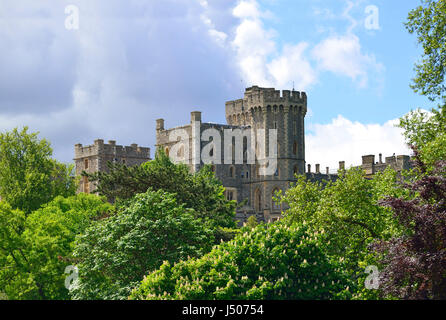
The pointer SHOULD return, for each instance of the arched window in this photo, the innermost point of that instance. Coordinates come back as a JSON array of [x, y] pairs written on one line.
[[275, 205], [258, 201], [232, 172]]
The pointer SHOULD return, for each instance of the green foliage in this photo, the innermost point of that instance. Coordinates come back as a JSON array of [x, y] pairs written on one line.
[[426, 133], [428, 22], [303, 197], [434, 151], [347, 212], [115, 253], [252, 222], [35, 249], [29, 177], [201, 191], [268, 262]]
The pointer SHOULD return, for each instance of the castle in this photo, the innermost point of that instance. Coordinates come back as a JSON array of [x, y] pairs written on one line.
[[240, 151]]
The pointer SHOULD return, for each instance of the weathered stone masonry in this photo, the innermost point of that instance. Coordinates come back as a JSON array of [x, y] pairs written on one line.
[[260, 108]]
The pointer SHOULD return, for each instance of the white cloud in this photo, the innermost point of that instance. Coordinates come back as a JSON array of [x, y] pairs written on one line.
[[345, 140], [292, 66], [258, 58], [343, 55], [247, 9]]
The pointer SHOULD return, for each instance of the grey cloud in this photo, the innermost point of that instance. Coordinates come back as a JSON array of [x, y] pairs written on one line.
[[129, 63]]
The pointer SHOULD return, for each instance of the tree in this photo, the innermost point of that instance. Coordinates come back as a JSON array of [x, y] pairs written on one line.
[[415, 262], [252, 222], [115, 253], [201, 191], [348, 213], [36, 249], [426, 133], [347, 209], [29, 177], [428, 21], [268, 262]]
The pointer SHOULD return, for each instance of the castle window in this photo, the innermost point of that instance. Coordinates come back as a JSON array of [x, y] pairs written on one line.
[[247, 174], [86, 185], [275, 203], [231, 172], [295, 170], [295, 148], [86, 164], [258, 201], [276, 174], [166, 151], [231, 194]]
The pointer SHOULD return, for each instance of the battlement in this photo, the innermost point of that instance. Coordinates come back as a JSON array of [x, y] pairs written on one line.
[[275, 96], [110, 149], [262, 97]]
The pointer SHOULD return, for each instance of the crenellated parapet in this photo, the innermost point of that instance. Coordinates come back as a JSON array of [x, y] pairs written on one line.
[[258, 100], [110, 149]]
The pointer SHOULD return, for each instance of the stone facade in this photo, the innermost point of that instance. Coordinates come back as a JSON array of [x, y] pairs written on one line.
[[94, 158], [261, 108], [397, 163]]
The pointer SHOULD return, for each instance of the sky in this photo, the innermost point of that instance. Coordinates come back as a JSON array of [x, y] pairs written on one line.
[[80, 70]]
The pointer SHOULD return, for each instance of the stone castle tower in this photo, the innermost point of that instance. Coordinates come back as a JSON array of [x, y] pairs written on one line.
[[261, 108], [198, 142], [94, 158]]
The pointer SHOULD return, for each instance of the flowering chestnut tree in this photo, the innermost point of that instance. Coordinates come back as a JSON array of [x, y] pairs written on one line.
[[267, 262]]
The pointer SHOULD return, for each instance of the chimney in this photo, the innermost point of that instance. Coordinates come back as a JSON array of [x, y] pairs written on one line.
[[368, 159], [328, 171], [341, 165], [195, 116], [309, 168], [159, 124], [318, 168], [380, 158]]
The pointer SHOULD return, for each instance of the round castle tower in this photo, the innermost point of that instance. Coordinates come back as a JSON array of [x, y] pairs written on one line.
[[267, 108]]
